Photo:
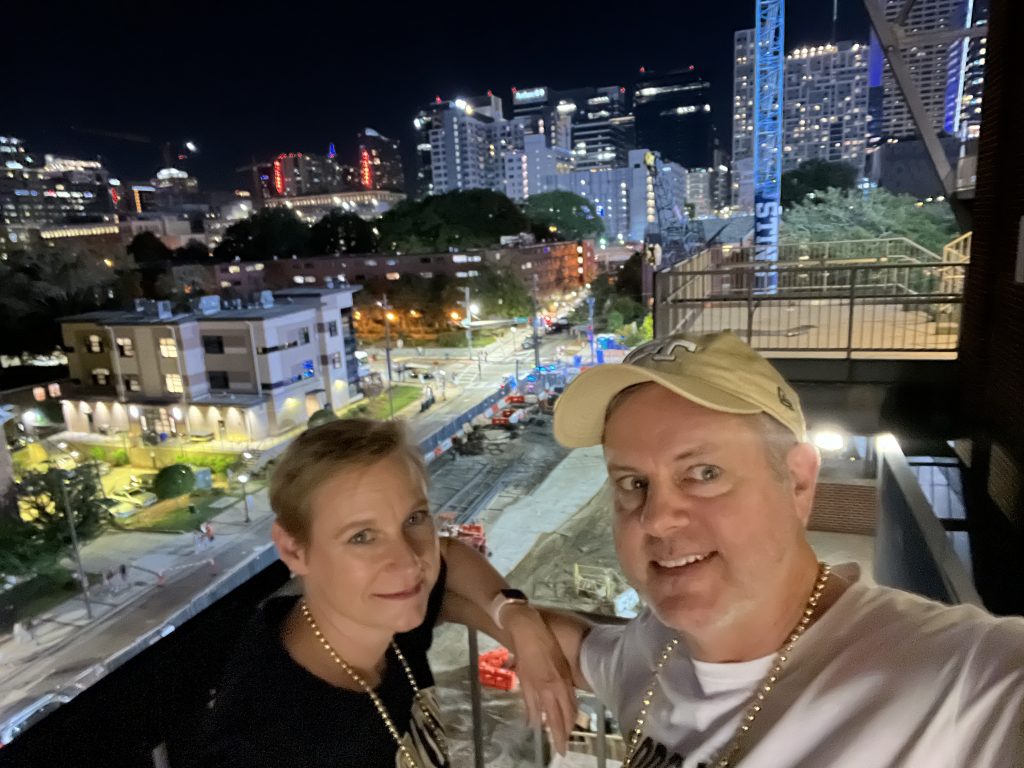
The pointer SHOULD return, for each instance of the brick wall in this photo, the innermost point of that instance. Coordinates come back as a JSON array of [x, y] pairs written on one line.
[[992, 335], [848, 507]]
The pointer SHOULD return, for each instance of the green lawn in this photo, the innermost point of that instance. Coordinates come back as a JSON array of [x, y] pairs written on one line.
[[379, 408], [178, 517]]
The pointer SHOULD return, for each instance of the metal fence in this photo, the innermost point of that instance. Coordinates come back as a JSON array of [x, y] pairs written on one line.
[[838, 306]]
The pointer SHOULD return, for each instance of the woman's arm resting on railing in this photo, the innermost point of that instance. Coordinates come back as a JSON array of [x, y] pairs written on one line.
[[545, 676], [570, 631]]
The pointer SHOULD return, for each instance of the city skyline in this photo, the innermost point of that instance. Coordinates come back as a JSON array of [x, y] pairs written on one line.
[[198, 77]]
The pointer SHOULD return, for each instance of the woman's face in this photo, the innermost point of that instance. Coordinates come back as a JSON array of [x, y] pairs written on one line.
[[373, 554]]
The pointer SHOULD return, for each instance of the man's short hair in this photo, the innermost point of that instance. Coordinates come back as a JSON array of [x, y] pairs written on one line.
[[322, 452]]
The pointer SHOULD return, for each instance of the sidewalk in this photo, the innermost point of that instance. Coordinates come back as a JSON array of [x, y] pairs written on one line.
[[153, 560]]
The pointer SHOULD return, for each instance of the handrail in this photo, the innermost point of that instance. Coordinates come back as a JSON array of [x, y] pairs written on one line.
[[913, 551]]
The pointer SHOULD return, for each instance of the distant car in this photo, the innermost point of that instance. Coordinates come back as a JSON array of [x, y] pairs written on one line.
[[30, 715], [527, 343], [119, 509], [136, 496]]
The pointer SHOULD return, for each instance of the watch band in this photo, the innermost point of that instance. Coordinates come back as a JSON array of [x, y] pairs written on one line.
[[503, 598]]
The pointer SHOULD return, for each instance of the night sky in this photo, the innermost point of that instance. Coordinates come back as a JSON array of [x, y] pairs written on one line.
[[243, 81]]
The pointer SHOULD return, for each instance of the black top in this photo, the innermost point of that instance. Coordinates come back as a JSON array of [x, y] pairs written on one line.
[[270, 712]]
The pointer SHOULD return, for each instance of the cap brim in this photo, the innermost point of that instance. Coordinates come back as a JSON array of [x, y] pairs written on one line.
[[580, 411]]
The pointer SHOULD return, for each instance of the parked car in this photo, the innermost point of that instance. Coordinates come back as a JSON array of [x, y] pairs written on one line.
[[119, 509], [136, 496], [527, 343]]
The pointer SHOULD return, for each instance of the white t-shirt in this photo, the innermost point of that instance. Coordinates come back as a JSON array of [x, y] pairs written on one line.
[[883, 679]]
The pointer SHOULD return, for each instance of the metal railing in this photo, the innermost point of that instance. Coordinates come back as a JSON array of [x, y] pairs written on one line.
[[835, 306], [869, 308], [912, 549]]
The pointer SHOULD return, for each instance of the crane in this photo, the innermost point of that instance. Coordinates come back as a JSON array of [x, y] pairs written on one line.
[[769, 79]]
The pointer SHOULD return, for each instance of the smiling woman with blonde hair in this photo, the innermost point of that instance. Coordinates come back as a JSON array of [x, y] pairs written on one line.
[[339, 676]]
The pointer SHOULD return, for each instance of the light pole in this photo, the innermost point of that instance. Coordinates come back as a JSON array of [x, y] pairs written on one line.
[[387, 349], [536, 321], [469, 324], [243, 479], [74, 544], [590, 326]]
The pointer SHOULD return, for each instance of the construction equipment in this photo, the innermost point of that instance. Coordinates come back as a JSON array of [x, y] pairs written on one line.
[[469, 533]]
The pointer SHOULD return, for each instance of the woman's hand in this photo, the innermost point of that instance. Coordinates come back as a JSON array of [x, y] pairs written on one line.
[[544, 673]]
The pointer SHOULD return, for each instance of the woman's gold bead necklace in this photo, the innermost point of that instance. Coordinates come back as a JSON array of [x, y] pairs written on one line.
[[437, 733]]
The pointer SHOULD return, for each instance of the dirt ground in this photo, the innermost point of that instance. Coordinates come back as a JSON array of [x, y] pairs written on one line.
[[546, 574]]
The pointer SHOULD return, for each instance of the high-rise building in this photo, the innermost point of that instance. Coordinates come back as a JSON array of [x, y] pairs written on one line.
[[825, 109], [622, 197], [936, 69], [603, 128], [459, 145], [825, 105], [379, 162], [673, 117], [294, 174], [36, 193], [595, 123], [973, 77]]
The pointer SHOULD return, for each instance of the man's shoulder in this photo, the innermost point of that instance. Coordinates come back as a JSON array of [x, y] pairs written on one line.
[[963, 630]]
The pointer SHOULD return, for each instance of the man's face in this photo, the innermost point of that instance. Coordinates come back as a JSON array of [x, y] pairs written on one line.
[[703, 526], [372, 554]]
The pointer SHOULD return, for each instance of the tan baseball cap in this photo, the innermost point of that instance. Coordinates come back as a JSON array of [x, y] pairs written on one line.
[[717, 371]]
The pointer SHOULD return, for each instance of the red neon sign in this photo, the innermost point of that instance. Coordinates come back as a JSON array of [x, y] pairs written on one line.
[[278, 176], [365, 171]]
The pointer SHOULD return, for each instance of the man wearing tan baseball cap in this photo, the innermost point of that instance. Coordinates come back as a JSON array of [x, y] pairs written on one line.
[[749, 649]]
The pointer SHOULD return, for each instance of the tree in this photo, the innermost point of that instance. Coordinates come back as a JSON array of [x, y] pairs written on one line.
[[500, 292], [630, 280], [147, 248], [41, 499], [837, 215], [173, 481], [816, 176], [192, 252], [573, 217], [340, 232], [36, 289], [471, 219], [321, 417], [268, 233]]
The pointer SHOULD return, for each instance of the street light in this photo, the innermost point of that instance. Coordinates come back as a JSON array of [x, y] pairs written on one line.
[[243, 479], [74, 544], [388, 317]]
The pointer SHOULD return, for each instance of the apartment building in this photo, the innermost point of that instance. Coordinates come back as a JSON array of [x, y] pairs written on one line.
[[229, 371]]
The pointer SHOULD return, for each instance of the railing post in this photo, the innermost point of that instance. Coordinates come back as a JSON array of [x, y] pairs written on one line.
[[538, 747], [750, 307], [602, 736], [474, 697], [849, 330]]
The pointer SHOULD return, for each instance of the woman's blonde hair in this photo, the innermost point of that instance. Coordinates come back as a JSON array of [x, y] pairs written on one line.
[[322, 452]]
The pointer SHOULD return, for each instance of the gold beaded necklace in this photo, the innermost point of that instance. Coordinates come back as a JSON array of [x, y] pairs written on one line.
[[725, 759], [435, 727]]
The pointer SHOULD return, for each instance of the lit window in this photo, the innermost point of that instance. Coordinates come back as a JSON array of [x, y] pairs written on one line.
[[336, 360], [94, 344], [173, 383], [393, 276], [126, 346], [54, 390], [132, 382], [168, 348], [100, 376]]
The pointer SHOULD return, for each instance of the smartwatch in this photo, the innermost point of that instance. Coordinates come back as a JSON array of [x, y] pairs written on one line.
[[503, 598]]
